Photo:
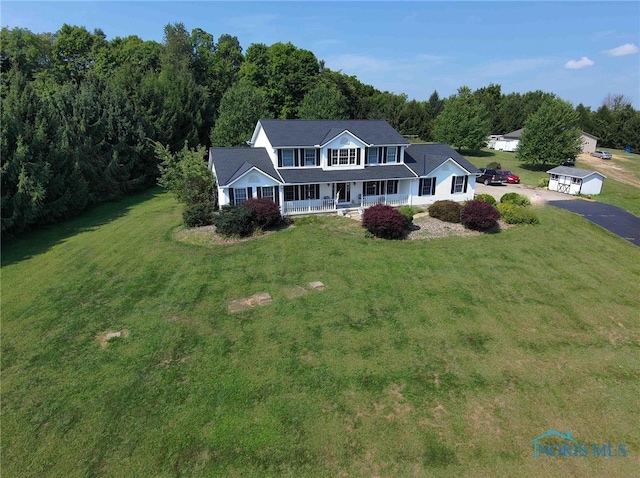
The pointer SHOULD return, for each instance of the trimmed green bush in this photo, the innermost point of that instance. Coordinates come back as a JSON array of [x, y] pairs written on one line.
[[265, 213], [446, 210], [494, 165], [196, 215], [384, 221], [514, 214], [234, 221], [488, 198], [543, 183], [479, 215], [515, 198], [408, 212]]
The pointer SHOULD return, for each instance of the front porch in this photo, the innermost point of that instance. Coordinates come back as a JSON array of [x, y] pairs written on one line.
[[311, 206]]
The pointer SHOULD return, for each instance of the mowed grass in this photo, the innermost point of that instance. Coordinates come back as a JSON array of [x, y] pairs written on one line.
[[421, 358]]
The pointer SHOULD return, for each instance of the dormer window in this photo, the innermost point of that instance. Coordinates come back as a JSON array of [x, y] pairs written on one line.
[[342, 157]]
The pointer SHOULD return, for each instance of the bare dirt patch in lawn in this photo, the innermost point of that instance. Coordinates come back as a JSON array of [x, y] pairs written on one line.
[[611, 169], [105, 337], [246, 303]]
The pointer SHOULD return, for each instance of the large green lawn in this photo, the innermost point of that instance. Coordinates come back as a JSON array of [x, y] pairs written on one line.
[[443, 357]]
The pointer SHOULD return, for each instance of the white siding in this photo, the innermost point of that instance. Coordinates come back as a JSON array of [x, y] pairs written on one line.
[[592, 185], [261, 141], [588, 145], [507, 144], [343, 141]]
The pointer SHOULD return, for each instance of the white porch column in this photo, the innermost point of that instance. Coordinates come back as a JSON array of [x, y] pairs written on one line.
[[281, 198]]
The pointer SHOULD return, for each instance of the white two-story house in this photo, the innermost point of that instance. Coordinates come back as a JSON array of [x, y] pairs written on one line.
[[324, 165]]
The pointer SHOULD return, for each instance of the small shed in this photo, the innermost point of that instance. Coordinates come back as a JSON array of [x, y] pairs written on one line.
[[569, 180], [509, 141]]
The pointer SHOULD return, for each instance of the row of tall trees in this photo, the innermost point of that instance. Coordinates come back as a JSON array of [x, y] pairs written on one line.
[[82, 115]]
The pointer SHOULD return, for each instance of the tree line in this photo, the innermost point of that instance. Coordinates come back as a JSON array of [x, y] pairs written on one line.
[[82, 115]]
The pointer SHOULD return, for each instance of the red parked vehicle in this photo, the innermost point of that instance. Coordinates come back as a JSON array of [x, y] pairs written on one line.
[[510, 177]]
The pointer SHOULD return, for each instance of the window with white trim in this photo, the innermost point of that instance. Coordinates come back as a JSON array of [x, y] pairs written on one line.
[[309, 157], [391, 154], [458, 185], [427, 187], [372, 156], [576, 180], [392, 186], [287, 158], [240, 195], [342, 157], [371, 188], [289, 194], [267, 192]]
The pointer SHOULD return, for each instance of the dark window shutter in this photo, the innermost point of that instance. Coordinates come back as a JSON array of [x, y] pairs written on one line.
[[317, 191], [466, 181], [420, 183], [383, 155], [453, 184], [259, 191], [317, 157], [433, 186], [249, 193], [328, 157], [232, 198], [279, 158], [366, 156], [398, 155], [358, 156], [276, 195], [364, 188], [296, 193], [296, 157]]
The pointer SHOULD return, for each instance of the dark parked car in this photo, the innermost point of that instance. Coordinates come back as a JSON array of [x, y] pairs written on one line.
[[569, 162], [509, 176], [490, 176]]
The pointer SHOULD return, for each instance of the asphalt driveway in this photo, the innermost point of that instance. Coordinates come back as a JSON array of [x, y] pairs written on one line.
[[612, 218]]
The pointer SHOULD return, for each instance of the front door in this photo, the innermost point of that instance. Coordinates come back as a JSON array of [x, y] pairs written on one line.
[[343, 192]]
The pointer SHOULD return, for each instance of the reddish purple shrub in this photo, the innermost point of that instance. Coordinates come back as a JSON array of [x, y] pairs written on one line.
[[384, 221], [264, 212], [479, 215]]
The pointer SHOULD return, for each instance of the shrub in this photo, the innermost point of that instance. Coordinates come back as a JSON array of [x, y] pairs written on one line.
[[514, 214], [488, 198], [384, 221], [494, 165], [196, 215], [408, 212], [234, 221], [446, 210], [265, 213], [517, 199], [543, 183], [479, 215]]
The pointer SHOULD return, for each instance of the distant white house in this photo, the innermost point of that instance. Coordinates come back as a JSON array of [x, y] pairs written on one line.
[[511, 141], [575, 181]]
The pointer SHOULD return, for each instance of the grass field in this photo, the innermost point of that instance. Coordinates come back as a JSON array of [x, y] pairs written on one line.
[[443, 357], [613, 192]]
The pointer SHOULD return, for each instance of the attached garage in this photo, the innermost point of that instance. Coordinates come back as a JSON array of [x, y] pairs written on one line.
[[569, 180]]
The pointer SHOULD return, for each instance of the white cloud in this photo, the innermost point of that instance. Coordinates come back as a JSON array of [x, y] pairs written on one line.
[[622, 50], [577, 65]]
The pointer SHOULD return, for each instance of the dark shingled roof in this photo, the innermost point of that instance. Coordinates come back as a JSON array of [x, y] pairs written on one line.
[[231, 163], [514, 134], [424, 158], [573, 172], [369, 173], [301, 133]]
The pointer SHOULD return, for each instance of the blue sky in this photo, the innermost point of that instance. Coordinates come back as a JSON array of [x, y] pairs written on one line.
[[579, 50]]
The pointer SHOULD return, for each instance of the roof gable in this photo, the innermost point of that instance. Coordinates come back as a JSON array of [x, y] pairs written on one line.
[[230, 164], [313, 133], [422, 159]]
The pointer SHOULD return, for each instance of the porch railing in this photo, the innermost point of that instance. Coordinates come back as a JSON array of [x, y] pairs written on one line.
[[309, 205], [388, 199]]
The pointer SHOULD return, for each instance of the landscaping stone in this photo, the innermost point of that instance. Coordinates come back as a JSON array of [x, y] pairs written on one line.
[[317, 285]]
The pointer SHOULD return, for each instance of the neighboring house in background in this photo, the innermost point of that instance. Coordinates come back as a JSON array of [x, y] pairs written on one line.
[[510, 141], [308, 166], [575, 181], [589, 142]]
